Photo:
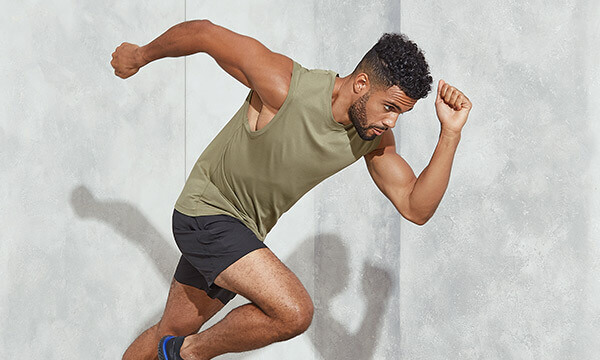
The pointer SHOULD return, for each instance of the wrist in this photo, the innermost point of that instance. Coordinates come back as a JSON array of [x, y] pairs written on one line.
[[450, 134], [141, 56]]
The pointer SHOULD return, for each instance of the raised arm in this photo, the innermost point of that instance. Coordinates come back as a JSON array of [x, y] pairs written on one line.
[[418, 198], [244, 58]]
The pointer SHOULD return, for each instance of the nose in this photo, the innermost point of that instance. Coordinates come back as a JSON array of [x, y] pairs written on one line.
[[390, 121]]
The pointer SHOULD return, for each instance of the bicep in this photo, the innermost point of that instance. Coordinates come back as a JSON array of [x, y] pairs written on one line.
[[250, 62], [391, 173]]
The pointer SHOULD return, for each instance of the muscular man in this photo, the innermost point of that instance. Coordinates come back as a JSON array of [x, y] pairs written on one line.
[[295, 128]]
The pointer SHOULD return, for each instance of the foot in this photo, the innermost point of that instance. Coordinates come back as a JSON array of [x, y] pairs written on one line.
[[168, 347]]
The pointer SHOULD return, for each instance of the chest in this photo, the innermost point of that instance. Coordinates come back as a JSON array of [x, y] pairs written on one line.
[[259, 115], [288, 159]]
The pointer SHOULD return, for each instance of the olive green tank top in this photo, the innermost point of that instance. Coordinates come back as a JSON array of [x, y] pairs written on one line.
[[256, 176]]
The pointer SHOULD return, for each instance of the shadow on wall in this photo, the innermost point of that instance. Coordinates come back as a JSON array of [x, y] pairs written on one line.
[[132, 224], [331, 277], [331, 272]]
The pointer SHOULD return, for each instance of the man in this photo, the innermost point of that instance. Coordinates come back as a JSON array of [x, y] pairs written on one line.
[[296, 128]]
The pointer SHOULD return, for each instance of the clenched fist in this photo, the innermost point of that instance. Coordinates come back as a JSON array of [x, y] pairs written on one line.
[[127, 60], [452, 107]]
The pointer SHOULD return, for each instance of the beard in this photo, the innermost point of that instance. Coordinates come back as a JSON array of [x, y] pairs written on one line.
[[358, 116]]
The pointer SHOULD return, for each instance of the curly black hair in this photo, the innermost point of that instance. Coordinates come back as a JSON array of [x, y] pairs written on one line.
[[395, 60]]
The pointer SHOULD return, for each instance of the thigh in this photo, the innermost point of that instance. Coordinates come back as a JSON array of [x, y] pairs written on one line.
[[263, 279], [186, 310], [209, 245]]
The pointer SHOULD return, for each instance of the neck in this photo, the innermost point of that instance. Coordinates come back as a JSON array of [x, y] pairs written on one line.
[[340, 100]]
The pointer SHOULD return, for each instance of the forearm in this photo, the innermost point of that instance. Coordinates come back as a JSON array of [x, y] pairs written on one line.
[[433, 180], [180, 40]]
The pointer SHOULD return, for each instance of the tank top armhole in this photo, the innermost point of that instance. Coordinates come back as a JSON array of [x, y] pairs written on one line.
[[296, 70]]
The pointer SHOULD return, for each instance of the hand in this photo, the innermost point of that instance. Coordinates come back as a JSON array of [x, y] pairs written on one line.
[[452, 107], [127, 60]]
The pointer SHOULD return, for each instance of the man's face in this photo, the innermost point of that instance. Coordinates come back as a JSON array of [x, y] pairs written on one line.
[[378, 110]]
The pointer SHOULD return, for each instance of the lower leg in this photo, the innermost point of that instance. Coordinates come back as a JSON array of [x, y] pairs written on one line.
[[244, 328], [186, 310], [144, 347]]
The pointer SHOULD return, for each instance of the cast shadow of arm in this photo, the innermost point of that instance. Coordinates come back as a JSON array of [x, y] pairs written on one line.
[[331, 273], [128, 221]]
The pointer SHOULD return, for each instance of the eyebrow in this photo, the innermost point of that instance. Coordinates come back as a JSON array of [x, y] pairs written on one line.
[[398, 107]]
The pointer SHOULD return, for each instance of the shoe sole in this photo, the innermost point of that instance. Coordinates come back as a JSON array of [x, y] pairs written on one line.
[[162, 351]]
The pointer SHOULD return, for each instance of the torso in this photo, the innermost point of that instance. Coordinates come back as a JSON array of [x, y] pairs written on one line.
[[266, 157], [259, 115]]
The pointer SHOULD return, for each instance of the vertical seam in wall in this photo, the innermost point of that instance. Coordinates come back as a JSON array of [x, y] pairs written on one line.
[[184, 102], [400, 226]]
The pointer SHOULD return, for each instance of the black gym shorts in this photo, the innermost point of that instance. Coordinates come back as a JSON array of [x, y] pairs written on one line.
[[209, 244]]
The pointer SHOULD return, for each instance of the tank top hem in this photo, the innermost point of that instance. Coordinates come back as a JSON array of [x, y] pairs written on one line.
[[209, 211]]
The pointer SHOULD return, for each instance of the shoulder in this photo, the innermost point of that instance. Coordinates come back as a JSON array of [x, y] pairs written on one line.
[[312, 83], [279, 78]]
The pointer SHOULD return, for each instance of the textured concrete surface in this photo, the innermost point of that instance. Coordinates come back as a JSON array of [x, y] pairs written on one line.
[[359, 320], [507, 268], [92, 165]]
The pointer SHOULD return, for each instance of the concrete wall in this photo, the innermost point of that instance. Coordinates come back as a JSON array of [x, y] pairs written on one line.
[[91, 167], [507, 268]]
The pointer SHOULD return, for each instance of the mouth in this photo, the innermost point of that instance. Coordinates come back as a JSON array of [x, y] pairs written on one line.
[[378, 131]]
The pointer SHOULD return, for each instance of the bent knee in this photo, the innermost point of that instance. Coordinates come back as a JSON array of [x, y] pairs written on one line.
[[297, 319], [303, 319]]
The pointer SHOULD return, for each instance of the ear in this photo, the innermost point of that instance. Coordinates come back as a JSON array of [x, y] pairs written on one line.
[[361, 84]]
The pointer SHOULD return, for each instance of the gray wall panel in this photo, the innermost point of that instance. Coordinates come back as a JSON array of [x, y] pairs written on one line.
[[213, 96], [357, 226], [505, 269], [91, 167]]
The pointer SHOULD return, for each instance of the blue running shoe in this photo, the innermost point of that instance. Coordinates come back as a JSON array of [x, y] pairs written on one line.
[[168, 347]]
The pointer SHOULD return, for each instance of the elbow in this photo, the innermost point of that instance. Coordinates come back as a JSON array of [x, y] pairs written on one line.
[[199, 22], [415, 212], [200, 32], [419, 219], [200, 26]]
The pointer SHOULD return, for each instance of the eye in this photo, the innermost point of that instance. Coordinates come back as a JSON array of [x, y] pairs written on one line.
[[388, 108]]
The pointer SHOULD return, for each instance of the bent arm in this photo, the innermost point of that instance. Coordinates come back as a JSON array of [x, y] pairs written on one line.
[[415, 198], [243, 57], [433, 181], [418, 198]]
